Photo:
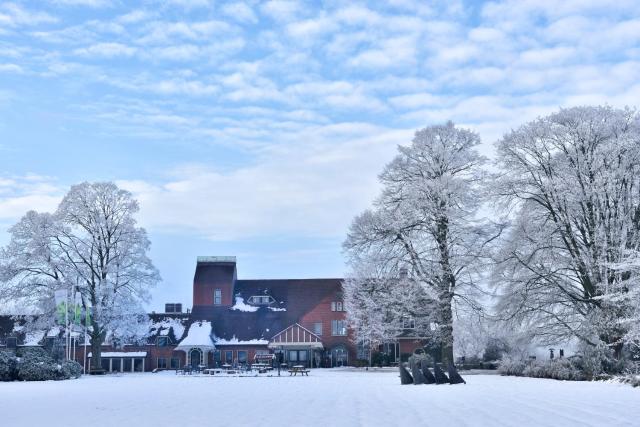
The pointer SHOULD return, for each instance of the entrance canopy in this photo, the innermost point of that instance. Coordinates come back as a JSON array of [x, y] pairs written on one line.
[[295, 336]]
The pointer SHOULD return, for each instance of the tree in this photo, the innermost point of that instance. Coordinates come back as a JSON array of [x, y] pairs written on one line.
[[572, 180], [91, 244], [424, 221]]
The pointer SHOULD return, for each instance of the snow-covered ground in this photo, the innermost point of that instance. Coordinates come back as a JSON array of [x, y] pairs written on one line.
[[337, 397]]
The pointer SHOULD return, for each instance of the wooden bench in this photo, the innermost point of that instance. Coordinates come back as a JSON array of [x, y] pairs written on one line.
[[298, 370]]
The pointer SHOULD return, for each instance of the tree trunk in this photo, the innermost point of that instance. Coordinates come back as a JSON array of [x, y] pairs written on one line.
[[96, 352], [446, 328]]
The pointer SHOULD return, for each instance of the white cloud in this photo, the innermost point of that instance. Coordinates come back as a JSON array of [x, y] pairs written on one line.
[[14, 15], [87, 3], [190, 4], [240, 12], [106, 50], [311, 190], [11, 68], [282, 10], [19, 194]]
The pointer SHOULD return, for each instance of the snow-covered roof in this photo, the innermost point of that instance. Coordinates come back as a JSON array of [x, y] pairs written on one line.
[[54, 332], [33, 338], [199, 335], [240, 305], [165, 325], [236, 341], [122, 354]]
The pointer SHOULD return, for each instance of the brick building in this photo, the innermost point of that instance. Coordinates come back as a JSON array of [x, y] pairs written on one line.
[[231, 321]]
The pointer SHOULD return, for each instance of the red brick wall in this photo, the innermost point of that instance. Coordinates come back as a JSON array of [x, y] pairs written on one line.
[[409, 345], [203, 293], [322, 313]]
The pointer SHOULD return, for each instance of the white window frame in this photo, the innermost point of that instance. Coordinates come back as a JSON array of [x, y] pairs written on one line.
[[217, 296], [316, 330], [338, 328], [408, 323], [261, 300]]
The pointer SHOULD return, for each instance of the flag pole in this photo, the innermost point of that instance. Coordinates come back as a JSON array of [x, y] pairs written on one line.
[[66, 322]]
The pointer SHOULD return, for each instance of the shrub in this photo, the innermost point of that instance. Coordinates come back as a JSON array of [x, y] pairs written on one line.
[[37, 366], [559, 369], [495, 349], [8, 366], [511, 366], [70, 369], [379, 359]]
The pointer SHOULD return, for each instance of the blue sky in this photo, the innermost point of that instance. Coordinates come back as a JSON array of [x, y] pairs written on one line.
[[257, 129]]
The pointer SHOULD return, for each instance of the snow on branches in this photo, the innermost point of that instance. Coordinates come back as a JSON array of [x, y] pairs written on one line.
[[572, 180], [90, 246], [425, 221]]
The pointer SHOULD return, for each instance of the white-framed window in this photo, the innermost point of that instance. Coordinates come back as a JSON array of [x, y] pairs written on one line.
[[162, 363], [337, 306], [261, 299], [317, 328], [162, 341], [217, 296], [338, 327], [408, 323]]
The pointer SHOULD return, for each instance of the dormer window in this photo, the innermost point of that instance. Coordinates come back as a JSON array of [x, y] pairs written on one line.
[[408, 323], [261, 300]]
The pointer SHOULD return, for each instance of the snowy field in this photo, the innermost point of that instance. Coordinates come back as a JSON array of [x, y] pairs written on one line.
[[339, 397]]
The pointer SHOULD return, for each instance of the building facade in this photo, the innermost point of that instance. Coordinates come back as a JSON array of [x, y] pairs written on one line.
[[231, 322]]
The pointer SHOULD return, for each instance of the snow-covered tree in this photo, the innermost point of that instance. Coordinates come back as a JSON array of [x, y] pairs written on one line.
[[91, 244], [572, 180], [424, 221], [30, 265]]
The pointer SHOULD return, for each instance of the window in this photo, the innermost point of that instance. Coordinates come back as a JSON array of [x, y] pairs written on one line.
[[173, 308], [336, 306], [228, 356], [293, 355], [317, 328], [217, 356], [408, 323], [338, 328], [175, 363], [217, 297], [12, 342], [242, 356], [162, 363], [162, 341], [261, 299]]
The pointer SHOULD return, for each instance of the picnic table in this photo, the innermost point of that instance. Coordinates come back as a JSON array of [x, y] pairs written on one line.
[[298, 369]]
